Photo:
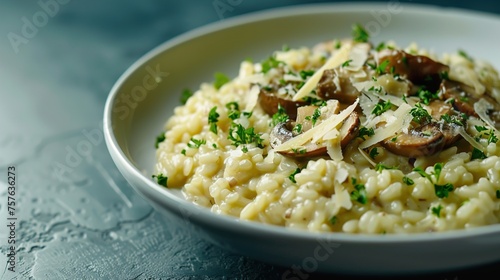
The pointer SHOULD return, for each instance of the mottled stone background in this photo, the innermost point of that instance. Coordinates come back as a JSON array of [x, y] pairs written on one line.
[[77, 217]]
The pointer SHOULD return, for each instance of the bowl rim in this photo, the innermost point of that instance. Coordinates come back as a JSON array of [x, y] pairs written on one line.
[[235, 224]]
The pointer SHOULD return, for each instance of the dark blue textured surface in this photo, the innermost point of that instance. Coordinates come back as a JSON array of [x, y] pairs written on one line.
[[77, 218]]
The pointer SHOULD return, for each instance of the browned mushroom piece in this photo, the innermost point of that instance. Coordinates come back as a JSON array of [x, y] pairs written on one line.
[[282, 132], [421, 141], [269, 102], [464, 97], [335, 84], [450, 130], [418, 69]]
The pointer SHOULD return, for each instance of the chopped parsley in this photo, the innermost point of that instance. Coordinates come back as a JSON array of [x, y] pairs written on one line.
[[408, 181], [183, 151], [213, 118], [442, 191], [185, 95], [306, 73], [379, 167], [315, 116], [444, 75], [359, 192], [492, 138], [240, 135], [380, 46], [300, 151], [333, 220], [285, 48], [220, 80], [292, 176], [452, 119], [497, 193], [382, 66], [161, 179], [280, 116], [160, 138], [297, 128], [480, 128], [463, 54], [420, 115], [477, 154], [270, 63], [437, 210], [338, 44], [196, 143], [373, 153], [346, 63], [233, 110], [381, 107], [427, 96], [359, 34], [363, 131]]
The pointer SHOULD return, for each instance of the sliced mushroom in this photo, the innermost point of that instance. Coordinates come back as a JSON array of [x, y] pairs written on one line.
[[418, 69], [335, 84], [464, 97], [269, 102], [421, 141], [450, 132], [282, 132]]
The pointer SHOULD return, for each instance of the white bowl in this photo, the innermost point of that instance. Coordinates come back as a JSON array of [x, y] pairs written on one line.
[[139, 105]]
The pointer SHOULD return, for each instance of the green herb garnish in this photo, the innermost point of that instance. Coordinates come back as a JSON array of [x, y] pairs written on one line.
[[220, 80], [213, 118], [359, 192], [477, 154], [363, 131], [437, 210], [292, 176], [280, 116], [359, 34], [160, 138], [161, 179], [420, 115], [196, 143], [185, 95], [381, 107]]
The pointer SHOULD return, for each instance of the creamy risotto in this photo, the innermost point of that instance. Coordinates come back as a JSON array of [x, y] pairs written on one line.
[[346, 136]]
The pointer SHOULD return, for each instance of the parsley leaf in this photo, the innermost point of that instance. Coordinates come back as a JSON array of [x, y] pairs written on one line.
[[213, 118], [437, 210], [427, 96], [477, 154], [442, 191], [346, 63], [381, 107], [220, 80], [185, 95], [239, 135], [408, 181], [359, 34], [306, 73], [292, 176], [315, 116], [497, 193], [463, 54], [196, 143], [382, 66], [359, 192], [379, 167], [161, 179], [374, 153], [270, 63], [420, 115], [451, 119], [280, 116], [160, 138], [233, 110], [333, 220], [297, 128], [363, 131]]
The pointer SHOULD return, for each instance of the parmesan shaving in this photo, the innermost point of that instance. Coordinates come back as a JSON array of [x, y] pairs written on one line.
[[358, 57], [252, 98], [367, 157], [481, 107], [318, 131], [470, 139], [467, 76], [334, 150], [340, 57], [402, 119]]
